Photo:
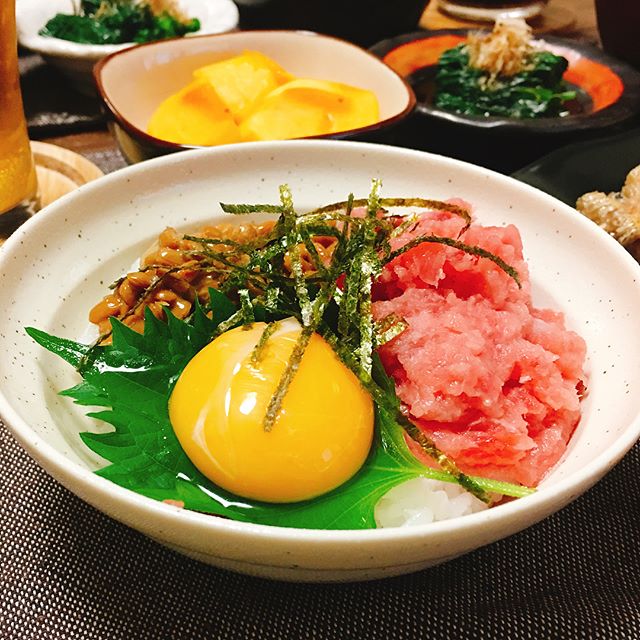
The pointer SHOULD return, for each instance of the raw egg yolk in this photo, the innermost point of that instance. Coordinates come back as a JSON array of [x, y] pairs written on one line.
[[320, 438]]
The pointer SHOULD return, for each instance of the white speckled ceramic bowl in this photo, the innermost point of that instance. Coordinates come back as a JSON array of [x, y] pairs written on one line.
[[76, 60], [57, 264], [133, 83]]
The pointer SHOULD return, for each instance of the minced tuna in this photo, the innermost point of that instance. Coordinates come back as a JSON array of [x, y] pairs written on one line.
[[493, 381]]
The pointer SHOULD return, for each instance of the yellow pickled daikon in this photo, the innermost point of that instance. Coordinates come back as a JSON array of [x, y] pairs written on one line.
[[195, 115], [243, 80], [310, 108], [250, 97]]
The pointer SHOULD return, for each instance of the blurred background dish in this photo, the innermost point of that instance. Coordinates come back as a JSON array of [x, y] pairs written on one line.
[[133, 83], [596, 165], [608, 91], [361, 21], [557, 18], [489, 10], [76, 60]]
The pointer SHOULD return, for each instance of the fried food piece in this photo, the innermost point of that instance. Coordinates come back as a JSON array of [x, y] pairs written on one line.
[[618, 213]]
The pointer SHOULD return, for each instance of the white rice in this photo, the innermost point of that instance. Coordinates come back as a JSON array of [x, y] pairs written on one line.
[[423, 501]]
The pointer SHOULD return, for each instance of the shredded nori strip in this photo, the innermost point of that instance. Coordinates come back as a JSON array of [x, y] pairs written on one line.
[[248, 317], [422, 203], [388, 328], [269, 330], [275, 404], [243, 209], [467, 248], [293, 364]]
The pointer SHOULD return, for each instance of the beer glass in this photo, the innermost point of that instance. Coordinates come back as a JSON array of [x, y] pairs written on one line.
[[17, 171]]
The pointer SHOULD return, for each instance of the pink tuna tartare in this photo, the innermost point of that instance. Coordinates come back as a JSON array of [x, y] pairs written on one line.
[[495, 382]]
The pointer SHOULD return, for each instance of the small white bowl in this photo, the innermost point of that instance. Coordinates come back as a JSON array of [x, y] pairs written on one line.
[[60, 261], [76, 60]]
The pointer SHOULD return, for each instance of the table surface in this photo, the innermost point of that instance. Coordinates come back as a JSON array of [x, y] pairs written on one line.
[[67, 571]]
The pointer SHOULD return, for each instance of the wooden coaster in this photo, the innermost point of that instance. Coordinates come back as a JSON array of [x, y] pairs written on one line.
[[554, 19], [59, 171]]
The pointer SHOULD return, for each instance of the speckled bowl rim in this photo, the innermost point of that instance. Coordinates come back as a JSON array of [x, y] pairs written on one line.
[[544, 501], [625, 107], [140, 135]]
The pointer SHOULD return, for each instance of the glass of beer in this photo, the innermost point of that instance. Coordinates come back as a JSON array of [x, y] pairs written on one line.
[[17, 171], [490, 10]]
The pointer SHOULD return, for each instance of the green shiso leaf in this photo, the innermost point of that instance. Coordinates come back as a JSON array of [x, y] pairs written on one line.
[[146, 457], [68, 350]]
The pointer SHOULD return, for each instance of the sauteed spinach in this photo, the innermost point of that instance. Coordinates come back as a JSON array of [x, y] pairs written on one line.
[[538, 91], [116, 22]]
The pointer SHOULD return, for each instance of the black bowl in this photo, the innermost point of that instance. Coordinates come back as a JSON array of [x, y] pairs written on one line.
[[609, 93], [601, 164]]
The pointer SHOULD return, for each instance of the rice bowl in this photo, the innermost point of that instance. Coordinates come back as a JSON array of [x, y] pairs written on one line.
[[315, 171]]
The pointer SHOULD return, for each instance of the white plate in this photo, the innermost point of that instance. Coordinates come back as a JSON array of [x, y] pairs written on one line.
[[60, 262], [76, 60]]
